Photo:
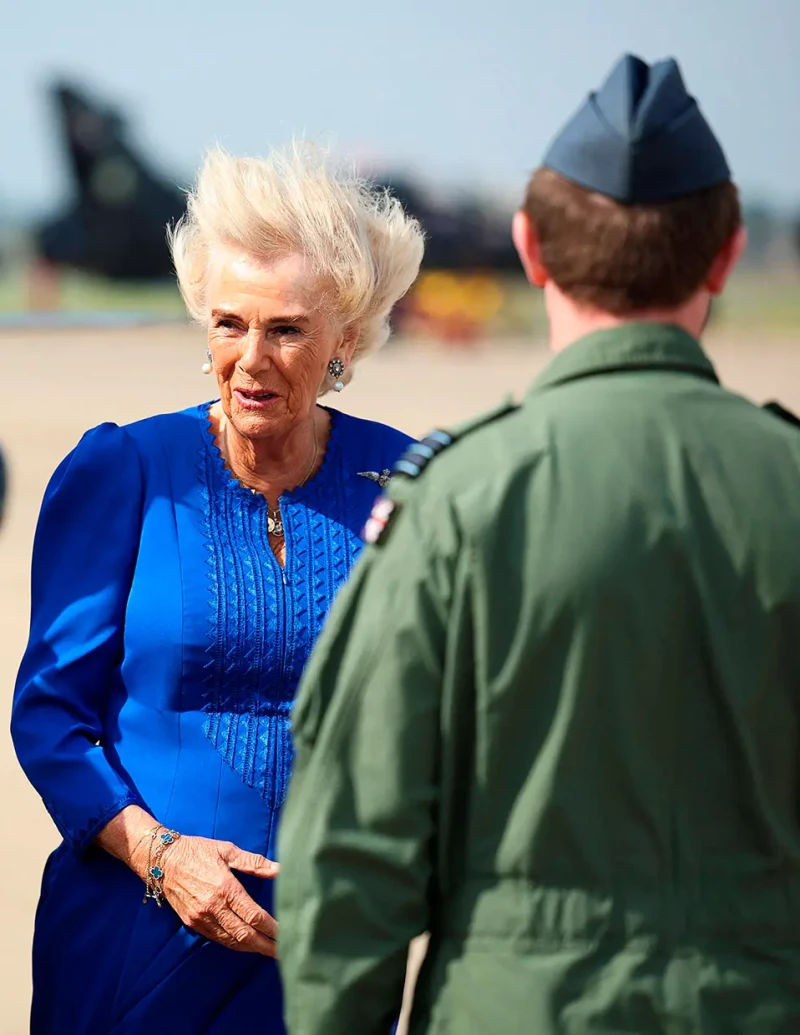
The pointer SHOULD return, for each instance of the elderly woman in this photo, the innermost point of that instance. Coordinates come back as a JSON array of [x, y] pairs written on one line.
[[183, 567]]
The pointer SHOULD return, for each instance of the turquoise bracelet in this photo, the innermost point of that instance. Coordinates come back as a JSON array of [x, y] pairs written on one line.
[[154, 875]]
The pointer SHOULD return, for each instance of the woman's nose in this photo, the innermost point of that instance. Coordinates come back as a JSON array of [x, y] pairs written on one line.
[[255, 352]]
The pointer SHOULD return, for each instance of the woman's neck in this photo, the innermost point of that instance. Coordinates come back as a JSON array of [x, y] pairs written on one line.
[[274, 464]]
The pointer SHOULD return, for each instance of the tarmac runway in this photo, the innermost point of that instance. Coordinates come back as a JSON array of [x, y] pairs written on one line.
[[57, 383]]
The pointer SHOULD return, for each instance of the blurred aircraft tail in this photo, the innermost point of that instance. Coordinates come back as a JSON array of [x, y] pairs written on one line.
[[116, 226]]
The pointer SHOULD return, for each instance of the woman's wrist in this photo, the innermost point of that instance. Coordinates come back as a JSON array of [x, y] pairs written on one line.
[[140, 857], [159, 841], [127, 837]]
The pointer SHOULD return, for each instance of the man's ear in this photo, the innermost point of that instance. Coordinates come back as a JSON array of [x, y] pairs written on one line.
[[526, 242], [725, 262]]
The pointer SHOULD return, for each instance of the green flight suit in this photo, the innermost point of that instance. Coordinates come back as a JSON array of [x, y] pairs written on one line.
[[554, 721]]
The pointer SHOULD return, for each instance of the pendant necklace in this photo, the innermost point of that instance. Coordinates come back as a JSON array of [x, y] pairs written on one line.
[[274, 517]]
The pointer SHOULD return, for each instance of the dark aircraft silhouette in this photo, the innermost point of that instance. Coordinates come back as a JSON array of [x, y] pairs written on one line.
[[461, 238], [116, 225]]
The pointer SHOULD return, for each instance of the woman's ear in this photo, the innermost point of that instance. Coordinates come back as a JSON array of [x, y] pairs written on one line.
[[526, 242], [350, 339]]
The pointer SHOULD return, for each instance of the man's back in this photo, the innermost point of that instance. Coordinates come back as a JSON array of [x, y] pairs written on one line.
[[552, 718], [622, 838]]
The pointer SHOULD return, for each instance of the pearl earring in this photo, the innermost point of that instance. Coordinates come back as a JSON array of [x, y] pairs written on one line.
[[335, 369], [208, 366]]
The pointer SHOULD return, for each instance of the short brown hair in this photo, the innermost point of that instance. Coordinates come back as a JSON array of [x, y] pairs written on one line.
[[628, 258]]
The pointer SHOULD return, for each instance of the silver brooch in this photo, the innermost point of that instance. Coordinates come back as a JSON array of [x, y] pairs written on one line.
[[382, 479]]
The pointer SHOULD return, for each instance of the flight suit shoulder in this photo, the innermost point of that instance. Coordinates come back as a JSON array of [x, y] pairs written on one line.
[[782, 413], [414, 461], [419, 455]]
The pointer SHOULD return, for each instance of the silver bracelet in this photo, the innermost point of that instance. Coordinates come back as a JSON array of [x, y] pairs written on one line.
[[154, 875]]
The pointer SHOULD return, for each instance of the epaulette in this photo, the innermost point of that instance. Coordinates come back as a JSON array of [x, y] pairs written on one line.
[[414, 461], [783, 413], [418, 455]]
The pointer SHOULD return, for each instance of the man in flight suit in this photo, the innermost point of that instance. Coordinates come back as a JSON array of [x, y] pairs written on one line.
[[555, 717]]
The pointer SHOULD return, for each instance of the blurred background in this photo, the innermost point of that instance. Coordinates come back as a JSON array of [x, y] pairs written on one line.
[[107, 110], [107, 114]]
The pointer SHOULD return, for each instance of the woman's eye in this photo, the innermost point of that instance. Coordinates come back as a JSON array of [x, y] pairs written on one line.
[[226, 324], [286, 329]]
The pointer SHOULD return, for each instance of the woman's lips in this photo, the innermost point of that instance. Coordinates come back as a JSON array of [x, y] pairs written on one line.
[[254, 400]]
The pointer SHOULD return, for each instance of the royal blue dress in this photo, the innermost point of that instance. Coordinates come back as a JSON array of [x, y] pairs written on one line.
[[165, 649]]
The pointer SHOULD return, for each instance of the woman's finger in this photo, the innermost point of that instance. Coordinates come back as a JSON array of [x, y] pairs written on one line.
[[234, 938], [247, 862], [210, 928], [243, 937], [249, 910]]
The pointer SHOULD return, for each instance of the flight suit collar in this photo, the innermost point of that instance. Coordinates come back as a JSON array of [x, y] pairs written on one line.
[[633, 346]]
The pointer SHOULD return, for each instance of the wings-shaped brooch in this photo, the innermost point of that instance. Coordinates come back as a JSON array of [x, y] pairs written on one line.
[[382, 479]]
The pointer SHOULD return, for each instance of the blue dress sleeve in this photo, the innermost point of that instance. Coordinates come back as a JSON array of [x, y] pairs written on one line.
[[84, 553]]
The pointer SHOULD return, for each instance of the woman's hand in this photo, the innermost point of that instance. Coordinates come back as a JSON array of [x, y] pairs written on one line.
[[199, 883], [200, 886]]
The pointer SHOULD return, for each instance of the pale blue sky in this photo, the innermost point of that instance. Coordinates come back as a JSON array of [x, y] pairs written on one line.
[[461, 90]]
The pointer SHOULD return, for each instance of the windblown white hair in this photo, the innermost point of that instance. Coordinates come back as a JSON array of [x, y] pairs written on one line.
[[358, 238]]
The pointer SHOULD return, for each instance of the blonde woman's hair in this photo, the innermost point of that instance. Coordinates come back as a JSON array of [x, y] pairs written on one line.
[[357, 238]]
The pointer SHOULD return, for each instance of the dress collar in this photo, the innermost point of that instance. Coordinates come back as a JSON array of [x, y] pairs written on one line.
[[311, 488]]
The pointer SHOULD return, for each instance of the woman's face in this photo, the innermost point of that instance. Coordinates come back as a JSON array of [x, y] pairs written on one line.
[[271, 339]]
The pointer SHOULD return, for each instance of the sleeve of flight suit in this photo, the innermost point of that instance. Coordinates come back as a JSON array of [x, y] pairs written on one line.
[[357, 834]]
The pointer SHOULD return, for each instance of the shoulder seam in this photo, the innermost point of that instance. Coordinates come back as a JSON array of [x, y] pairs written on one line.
[[419, 454], [782, 413]]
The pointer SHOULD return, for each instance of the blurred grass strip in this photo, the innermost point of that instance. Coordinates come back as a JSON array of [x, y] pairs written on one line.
[[766, 300]]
